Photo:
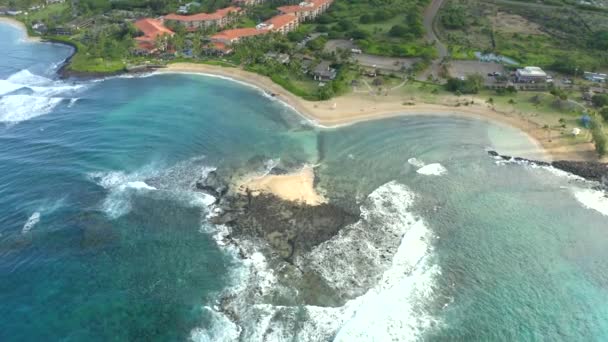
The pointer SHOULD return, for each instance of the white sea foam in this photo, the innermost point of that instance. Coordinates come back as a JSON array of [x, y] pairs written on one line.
[[25, 77], [416, 162], [45, 95], [8, 87], [222, 328], [390, 295], [17, 108], [73, 102], [434, 169], [175, 183], [30, 223], [139, 185], [592, 199]]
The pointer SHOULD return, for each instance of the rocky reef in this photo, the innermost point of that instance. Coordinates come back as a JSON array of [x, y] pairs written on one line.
[[290, 228], [593, 171]]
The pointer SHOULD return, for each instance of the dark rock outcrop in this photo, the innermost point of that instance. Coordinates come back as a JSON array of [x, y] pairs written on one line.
[[593, 171], [289, 228], [213, 185]]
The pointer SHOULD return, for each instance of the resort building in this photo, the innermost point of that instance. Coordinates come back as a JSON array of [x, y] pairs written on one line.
[[531, 74], [219, 18], [282, 23], [229, 37], [307, 10], [152, 29]]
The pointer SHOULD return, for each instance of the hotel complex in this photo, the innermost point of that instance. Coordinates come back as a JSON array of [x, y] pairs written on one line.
[[287, 21], [151, 29], [219, 18]]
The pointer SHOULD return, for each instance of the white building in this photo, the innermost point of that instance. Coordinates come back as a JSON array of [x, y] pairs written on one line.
[[531, 74]]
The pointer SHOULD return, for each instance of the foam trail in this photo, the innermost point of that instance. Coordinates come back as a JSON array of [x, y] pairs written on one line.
[[389, 296], [139, 185], [416, 162], [176, 183], [31, 222], [25, 77], [8, 87], [592, 199], [46, 95], [223, 329], [434, 169], [17, 108]]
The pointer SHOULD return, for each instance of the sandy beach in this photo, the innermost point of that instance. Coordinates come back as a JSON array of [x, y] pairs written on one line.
[[296, 186], [353, 108], [20, 25]]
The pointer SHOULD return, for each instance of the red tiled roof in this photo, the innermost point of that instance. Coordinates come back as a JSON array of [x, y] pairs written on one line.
[[309, 6], [238, 33], [221, 47], [151, 29], [217, 15], [281, 20]]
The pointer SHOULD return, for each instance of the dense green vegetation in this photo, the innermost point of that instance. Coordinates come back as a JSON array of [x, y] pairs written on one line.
[[557, 35], [600, 100], [251, 53], [389, 27], [472, 84], [599, 137]]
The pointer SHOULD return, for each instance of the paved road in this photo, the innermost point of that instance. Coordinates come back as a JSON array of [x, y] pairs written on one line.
[[442, 51], [429, 18]]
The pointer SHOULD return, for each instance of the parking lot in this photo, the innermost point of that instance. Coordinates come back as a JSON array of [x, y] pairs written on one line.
[[464, 68]]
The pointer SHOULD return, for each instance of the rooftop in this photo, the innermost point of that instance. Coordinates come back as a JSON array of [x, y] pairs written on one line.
[[238, 33], [281, 20], [532, 71], [303, 6], [151, 28]]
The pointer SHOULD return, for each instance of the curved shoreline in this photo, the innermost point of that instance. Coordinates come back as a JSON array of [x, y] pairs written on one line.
[[16, 23], [354, 108]]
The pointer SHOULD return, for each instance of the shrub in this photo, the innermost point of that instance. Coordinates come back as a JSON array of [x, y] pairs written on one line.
[[471, 85], [604, 113], [398, 31], [599, 137], [600, 100], [366, 19]]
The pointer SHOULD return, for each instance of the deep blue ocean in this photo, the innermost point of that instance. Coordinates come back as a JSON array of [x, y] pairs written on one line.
[[103, 237]]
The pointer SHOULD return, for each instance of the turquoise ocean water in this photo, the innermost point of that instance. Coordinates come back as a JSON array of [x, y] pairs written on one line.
[[103, 238]]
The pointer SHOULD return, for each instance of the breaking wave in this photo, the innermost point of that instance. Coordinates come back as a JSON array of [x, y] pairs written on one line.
[[175, 183], [383, 264], [31, 222], [592, 199], [583, 190], [434, 169], [24, 96]]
